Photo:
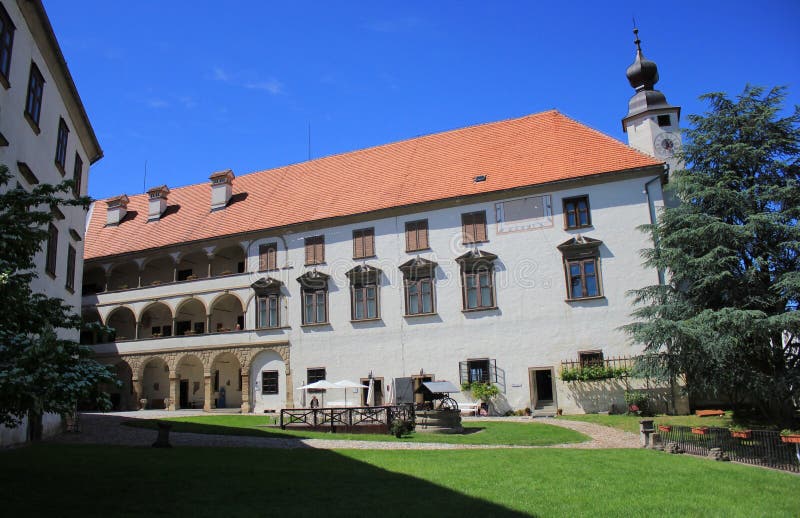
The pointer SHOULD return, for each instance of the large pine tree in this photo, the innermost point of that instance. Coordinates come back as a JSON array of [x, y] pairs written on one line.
[[727, 317], [40, 371]]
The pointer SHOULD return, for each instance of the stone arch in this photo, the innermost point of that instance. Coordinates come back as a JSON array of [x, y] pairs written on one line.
[[226, 379], [193, 265], [154, 378], [155, 320], [227, 312], [123, 276], [189, 373], [123, 321], [122, 397], [190, 317], [228, 260], [158, 270], [90, 320]]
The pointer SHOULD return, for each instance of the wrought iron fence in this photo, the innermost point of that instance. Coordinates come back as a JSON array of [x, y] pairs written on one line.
[[615, 362], [759, 447], [347, 417]]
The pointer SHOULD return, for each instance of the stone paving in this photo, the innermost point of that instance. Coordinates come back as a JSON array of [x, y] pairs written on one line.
[[109, 429]]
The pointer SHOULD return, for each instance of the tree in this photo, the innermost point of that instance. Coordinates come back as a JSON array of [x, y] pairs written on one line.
[[727, 317], [40, 371]]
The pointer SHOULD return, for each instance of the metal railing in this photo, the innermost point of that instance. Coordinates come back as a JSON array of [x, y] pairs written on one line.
[[346, 417], [615, 362], [758, 447]]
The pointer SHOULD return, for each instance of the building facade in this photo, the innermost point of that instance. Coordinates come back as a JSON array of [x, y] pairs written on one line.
[[489, 253], [45, 137]]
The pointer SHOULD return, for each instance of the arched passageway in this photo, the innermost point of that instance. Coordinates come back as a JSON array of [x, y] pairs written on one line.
[[226, 381], [189, 375], [123, 324], [190, 318], [156, 321], [227, 314], [193, 266], [267, 382], [124, 276], [155, 383], [228, 261], [158, 271], [94, 280]]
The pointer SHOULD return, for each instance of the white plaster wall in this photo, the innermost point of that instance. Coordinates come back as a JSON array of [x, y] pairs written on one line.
[[52, 425], [267, 361], [533, 326], [38, 151]]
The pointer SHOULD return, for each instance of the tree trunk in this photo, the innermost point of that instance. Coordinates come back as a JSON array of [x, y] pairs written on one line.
[[34, 425]]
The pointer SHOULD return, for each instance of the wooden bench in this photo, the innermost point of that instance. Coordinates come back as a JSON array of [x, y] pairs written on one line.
[[469, 408]]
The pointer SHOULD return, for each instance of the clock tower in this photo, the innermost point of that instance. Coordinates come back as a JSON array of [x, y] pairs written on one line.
[[652, 124]]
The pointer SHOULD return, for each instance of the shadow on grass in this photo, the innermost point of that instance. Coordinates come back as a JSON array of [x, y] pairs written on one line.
[[82, 480]]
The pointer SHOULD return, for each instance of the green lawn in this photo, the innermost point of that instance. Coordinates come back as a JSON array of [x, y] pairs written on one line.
[[630, 423], [68, 480], [518, 434]]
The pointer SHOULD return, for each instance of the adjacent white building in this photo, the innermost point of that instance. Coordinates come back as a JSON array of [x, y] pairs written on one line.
[[492, 253], [45, 137]]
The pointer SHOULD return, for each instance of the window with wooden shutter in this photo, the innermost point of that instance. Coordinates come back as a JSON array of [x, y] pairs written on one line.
[[52, 250], [315, 250], [268, 257], [474, 227], [70, 282], [363, 243], [416, 235]]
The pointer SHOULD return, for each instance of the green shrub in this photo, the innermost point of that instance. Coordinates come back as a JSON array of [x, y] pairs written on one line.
[[638, 403], [482, 391], [401, 427], [594, 372]]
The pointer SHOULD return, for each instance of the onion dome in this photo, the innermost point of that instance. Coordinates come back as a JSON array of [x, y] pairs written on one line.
[[643, 73]]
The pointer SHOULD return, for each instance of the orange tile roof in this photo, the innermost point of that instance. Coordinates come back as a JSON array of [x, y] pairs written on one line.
[[530, 150]]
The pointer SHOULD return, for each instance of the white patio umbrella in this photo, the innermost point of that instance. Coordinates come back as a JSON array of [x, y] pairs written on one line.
[[321, 384], [347, 384], [371, 393]]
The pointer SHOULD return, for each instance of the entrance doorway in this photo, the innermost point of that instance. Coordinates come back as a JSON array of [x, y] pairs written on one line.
[[184, 394], [542, 389], [377, 387]]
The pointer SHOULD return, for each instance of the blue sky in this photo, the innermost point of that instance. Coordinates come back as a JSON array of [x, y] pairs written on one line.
[[195, 87]]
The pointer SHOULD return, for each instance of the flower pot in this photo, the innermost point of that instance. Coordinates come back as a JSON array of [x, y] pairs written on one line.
[[700, 430], [664, 428], [791, 438], [741, 434]]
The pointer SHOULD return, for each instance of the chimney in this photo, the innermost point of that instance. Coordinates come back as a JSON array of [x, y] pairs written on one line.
[[117, 208], [221, 188], [158, 202]]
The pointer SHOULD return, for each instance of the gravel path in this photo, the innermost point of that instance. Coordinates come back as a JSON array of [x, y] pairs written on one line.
[[109, 429]]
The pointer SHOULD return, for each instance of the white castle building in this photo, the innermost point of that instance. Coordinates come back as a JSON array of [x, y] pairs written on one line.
[[489, 253], [45, 137]]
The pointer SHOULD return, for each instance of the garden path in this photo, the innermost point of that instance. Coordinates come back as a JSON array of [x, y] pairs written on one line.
[[97, 428]]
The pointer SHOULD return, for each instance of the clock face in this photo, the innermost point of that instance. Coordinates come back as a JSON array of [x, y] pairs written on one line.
[[666, 144]]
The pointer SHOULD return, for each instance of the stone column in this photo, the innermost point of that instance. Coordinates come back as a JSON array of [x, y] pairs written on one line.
[[207, 392], [174, 383], [289, 390], [245, 393], [136, 327], [137, 392], [208, 323]]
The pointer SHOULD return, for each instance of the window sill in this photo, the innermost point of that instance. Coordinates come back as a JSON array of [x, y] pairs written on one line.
[[269, 270], [50, 274], [70, 290], [356, 321], [4, 82], [598, 297], [34, 126], [272, 328], [417, 315], [3, 140], [60, 168], [465, 243], [581, 227], [473, 310], [317, 324], [427, 249]]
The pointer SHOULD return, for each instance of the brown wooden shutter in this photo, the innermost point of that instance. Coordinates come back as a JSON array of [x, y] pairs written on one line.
[[319, 253], [358, 243], [272, 256], [309, 250], [422, 234], [411, 236], [369, 242], [480, 226], [262, 256], [467, 228]]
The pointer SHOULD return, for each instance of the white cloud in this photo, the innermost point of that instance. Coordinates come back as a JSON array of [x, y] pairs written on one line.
[[157, 103], [220, 75], [272, 86]]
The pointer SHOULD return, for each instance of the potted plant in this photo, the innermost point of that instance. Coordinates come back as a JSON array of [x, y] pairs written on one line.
[[664, 428], [740, 432], [484, 392], [791, 436], [700, 430]]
